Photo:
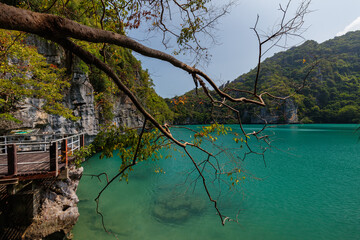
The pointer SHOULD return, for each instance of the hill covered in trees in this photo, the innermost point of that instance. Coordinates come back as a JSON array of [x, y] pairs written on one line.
[[331, 71]]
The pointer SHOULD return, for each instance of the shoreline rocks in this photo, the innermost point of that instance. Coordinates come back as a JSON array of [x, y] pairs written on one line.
[[58, 212]]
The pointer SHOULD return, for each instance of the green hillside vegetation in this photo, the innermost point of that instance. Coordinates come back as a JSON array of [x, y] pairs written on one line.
[[330, 94]]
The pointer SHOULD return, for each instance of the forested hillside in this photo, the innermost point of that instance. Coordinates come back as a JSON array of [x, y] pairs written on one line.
[[330, 94]]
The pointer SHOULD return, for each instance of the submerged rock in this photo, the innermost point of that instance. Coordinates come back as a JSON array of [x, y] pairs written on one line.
[[177, 208]]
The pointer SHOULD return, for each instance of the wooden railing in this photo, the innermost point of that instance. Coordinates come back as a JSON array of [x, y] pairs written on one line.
[[59, 147], [41, 141]]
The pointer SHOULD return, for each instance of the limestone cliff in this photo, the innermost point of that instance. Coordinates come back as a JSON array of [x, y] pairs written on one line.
[[287, 113], [79, 97]]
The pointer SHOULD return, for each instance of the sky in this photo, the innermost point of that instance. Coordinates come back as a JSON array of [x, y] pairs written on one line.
[[237, 52]]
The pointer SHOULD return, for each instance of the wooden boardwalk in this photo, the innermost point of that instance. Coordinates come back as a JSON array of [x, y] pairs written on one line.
[[26, 163], [29, 165], [26, 160]]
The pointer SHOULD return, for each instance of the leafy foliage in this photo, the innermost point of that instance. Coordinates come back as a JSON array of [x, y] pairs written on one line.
[[24, 73], [210, 133], [124, 142]]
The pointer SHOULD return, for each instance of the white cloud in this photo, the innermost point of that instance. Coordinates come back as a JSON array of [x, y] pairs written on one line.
[[355, 25]]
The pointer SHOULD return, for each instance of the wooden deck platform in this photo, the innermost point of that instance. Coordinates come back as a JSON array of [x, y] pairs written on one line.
[[29, 165], [27, 162], [28, 159]]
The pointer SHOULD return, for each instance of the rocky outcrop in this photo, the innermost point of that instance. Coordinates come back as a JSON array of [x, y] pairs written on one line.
[[287, 113], [291, 112], [125, 113], [79, 98], [58, 211]]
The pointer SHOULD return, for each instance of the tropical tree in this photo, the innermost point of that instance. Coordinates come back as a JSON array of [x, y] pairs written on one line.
[[100, 24], [24, 74]]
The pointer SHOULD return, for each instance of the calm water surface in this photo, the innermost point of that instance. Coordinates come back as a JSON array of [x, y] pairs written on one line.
[[310, 189]]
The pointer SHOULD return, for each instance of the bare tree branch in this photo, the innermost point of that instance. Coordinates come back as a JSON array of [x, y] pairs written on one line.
[[122, 171]]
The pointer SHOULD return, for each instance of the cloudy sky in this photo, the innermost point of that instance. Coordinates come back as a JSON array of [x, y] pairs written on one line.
[[237, 53]]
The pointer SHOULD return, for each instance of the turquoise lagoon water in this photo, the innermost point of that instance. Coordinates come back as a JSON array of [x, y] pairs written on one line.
[[310, 189]]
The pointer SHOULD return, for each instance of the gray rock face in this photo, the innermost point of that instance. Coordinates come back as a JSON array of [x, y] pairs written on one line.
[[291, 112], [286, 114], [59, 212], [30, 115], [54, 55], [79, 98], [125, 113]]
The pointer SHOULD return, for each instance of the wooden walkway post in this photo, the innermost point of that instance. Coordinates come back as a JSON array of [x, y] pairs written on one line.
[[64, 151], [12, 159], [54, 155], [82, 140]]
